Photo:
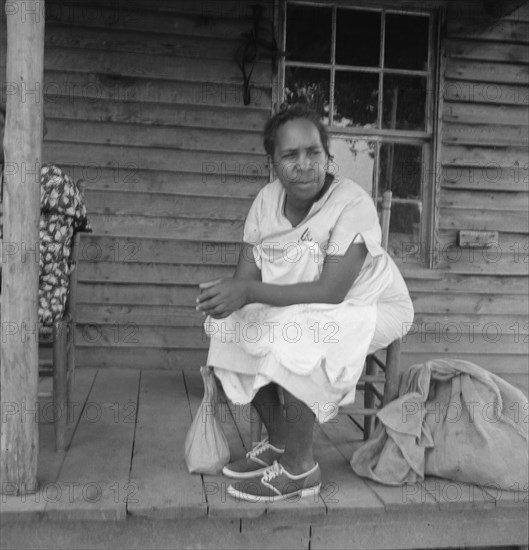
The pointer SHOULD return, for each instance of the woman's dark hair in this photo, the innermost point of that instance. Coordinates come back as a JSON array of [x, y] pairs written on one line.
[[298, 110]]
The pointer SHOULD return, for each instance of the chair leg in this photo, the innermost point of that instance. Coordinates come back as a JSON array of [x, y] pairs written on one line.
[[70, 368], [369, 399], [59, 383], [391, 387]]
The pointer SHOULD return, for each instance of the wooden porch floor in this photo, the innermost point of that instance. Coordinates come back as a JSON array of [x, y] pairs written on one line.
[[123, 483]]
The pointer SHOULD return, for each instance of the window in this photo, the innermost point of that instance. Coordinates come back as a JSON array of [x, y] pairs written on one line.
[[370, 73]]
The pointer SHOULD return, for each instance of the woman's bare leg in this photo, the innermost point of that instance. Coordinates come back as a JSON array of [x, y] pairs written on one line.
[[298, 457], [270, 409], [300, 476]]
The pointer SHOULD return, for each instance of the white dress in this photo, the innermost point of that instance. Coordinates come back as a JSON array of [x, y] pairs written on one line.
[[315, 351]]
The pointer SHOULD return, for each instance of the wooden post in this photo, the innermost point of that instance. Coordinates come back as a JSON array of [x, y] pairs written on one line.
[[19, 439]]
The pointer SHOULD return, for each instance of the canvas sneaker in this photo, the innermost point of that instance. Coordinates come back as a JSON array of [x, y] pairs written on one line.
[[255, 462], [278, 484]]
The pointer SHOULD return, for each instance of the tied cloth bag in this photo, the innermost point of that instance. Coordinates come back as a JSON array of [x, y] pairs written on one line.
[[206, 448], [454, 420]]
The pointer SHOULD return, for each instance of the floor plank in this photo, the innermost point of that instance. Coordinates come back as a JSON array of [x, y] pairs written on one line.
[[30, 507], [95, 473], [165, 489], [149, 534], [434, 529], [50, 461], [517, 499], [342, 489], [455, 495]]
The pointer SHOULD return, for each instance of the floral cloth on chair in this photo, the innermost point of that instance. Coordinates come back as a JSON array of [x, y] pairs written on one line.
[[62, 213]]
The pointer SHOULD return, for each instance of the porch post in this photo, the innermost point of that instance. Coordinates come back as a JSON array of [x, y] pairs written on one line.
[[19, 437]]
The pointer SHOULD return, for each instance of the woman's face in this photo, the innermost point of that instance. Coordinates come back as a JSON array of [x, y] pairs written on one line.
[[300, 160]]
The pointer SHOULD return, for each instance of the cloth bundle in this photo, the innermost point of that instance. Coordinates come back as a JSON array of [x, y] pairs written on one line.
[[452, 419], [63, 212]]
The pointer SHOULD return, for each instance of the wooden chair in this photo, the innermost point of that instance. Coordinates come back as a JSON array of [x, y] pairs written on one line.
[[369, 381], [376, 370], [61, 364]]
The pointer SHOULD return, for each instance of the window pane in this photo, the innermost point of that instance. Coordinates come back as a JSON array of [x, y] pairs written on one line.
[[404, 102], [406, 45], [354, 158], [309, 31], [401, 172], [358, 38], [308, 86], [404, 231], [355, 99]]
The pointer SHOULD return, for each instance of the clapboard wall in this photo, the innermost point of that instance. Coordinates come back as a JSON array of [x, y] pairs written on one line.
[[475, 305], [144, 102]]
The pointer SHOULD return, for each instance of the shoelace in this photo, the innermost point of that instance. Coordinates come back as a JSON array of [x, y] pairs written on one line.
[[258, 449], [273, 471]]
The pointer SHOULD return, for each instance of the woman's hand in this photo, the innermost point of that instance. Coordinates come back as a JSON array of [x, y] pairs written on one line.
[[222, 297]]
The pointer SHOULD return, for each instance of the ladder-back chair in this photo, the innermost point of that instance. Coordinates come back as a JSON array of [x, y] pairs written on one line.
[[377, 372], [61, 364]]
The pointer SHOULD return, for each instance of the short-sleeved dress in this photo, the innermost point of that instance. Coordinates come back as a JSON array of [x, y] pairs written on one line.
[[315, 351]]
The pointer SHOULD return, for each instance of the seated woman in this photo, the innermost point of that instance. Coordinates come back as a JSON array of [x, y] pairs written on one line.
[[312, 294]]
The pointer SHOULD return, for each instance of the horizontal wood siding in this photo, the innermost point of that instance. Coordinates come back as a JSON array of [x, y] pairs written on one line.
[[478, 309], [144, 103], [195, 160]]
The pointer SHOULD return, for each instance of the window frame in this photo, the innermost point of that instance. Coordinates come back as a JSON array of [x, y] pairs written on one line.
[[430, 138]]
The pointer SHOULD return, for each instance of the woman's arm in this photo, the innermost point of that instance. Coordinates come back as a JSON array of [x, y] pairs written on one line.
[[246, 267], [337, 277]]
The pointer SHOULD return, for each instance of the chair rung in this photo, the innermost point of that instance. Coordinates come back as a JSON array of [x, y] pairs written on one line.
[[45, 394], [369, 386], [363, 412], [45, 368], [373, 378]]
